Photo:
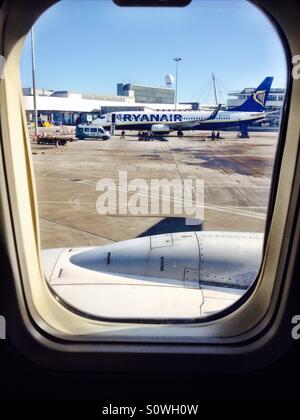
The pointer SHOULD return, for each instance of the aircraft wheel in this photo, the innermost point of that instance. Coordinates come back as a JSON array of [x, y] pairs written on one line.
[[179, 133]]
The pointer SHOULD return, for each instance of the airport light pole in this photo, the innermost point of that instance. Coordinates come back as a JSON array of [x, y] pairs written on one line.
[[177, 59], [36, 129]]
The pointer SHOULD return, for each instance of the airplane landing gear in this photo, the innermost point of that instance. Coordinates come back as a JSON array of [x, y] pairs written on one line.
[[179, 133], [244, 132]]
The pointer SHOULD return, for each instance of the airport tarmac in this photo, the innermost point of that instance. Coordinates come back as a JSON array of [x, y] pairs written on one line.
[[236, 173]]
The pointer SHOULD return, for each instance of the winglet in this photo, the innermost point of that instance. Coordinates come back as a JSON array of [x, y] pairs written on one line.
[[215, 112]]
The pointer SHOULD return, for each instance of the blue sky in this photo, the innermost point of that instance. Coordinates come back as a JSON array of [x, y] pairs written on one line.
[[91, 45]]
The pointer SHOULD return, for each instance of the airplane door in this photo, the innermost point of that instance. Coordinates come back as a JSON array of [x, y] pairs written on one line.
[[113, 124]]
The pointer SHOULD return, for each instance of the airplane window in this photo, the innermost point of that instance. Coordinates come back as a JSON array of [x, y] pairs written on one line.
[[163, 219]]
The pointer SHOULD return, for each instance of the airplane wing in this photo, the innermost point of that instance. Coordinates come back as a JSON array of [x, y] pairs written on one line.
[[260, 116], [279, 111], [192, 123]]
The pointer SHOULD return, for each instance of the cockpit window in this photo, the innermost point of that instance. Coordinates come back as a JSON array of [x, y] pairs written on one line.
[[162, 218]]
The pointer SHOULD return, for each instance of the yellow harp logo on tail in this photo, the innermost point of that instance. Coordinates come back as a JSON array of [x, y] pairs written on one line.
[[259, 97]]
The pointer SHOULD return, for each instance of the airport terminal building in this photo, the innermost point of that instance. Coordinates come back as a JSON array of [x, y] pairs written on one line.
[[147, 94], [66, 107]]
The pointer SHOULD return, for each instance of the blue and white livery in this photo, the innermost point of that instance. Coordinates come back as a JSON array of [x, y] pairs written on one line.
[[253, 109]]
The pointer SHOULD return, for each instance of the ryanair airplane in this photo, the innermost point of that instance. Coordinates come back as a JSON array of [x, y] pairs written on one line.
[[164, 122]]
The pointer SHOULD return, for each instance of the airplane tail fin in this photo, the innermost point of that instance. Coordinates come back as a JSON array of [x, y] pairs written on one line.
[[257, 100]]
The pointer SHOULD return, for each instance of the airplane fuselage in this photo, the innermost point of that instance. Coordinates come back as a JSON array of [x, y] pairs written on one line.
[[178, 120]]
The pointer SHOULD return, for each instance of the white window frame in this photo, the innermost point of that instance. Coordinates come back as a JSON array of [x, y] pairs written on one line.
[[50, 325]]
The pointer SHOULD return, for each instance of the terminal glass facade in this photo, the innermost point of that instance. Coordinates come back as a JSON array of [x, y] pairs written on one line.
[[147, 94]]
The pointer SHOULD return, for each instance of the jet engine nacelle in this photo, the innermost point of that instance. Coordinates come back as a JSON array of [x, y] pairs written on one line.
[[176, 275], [160, 129]]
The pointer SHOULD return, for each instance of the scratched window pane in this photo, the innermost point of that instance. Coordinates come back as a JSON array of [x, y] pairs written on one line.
[[153, 151]]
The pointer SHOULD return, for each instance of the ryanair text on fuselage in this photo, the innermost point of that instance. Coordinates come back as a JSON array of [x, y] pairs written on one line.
[[149, 117]]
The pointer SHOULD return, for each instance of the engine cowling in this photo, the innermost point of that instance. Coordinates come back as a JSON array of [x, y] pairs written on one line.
[[175, 275], [160, 129]]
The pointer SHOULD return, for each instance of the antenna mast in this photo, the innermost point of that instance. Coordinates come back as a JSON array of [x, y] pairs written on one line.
[[215, 90]]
